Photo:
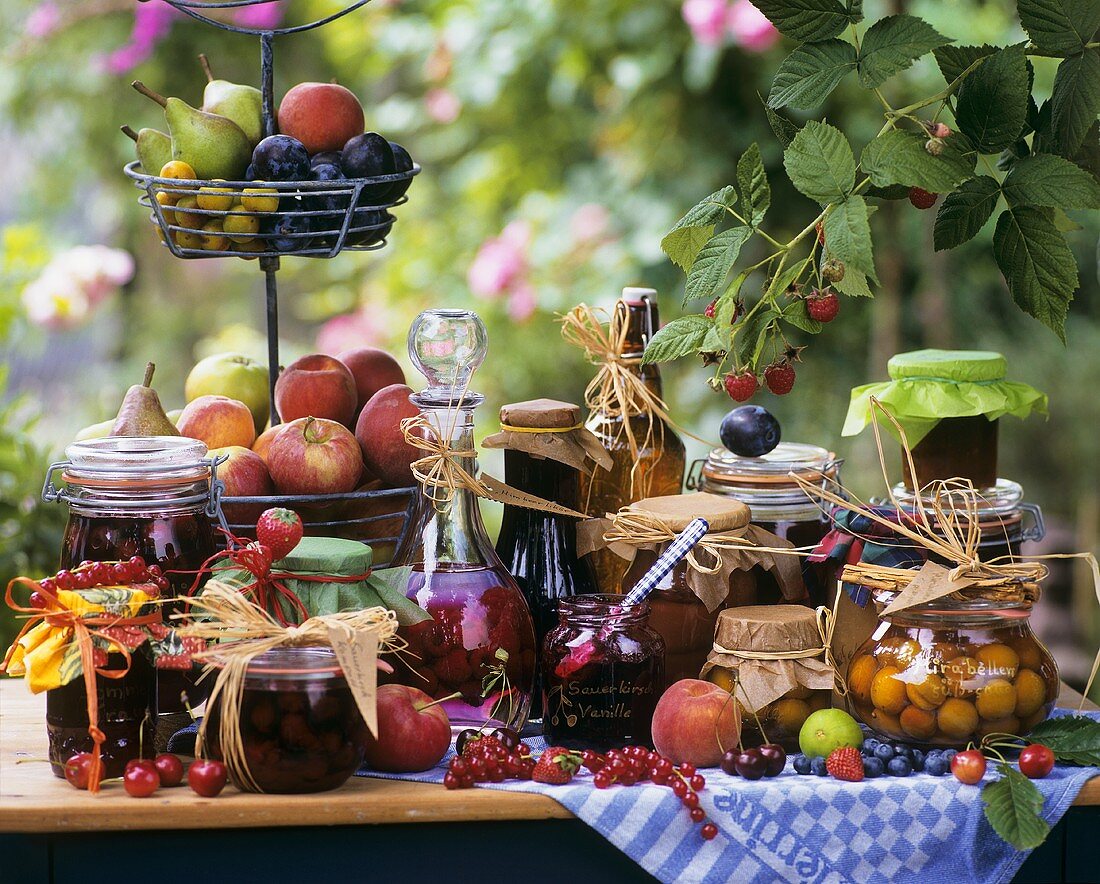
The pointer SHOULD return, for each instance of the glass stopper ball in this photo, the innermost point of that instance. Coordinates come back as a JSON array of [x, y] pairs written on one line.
[[447, 347]]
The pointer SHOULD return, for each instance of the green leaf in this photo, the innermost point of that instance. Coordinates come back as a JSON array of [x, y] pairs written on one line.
[[890, 192], [1075, 101], [820, 162], [1046, 180], [848, 235], [898, 157], [1013, 806], [1061, 26], [693, 231], [714, 262], [953, 60], [789, 275], [964, 212], [678, 338], [756, 193], [855, 10], [854, 285], [992, 101], [797, 315], [783, 128], [751, 334], [892, 45], [1037, 265], [714, 341], [1074, 739], [805, 20], [810, 73]]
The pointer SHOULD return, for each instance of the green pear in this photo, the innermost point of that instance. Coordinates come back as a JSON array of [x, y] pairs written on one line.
[[212, 145], [234, 101], [141, 413], [153, 148], [95, 431]]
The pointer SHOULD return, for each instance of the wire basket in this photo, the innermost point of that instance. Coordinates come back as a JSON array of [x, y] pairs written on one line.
[[379, 518], [318, 219]]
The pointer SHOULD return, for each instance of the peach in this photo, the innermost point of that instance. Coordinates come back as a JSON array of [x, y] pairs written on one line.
[[695, 722], [218, 421], [316, 386], [412, 735], [372, 369], [314, 456], [323, 116], [385, 452]]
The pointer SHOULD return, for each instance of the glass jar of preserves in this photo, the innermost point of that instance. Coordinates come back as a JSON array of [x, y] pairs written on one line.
[[300, 729], [778, 504], [148, 496], [947, 672], [603, 668], [774, 659]]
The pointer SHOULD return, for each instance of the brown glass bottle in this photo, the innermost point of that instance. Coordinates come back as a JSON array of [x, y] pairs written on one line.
[[656, 468]]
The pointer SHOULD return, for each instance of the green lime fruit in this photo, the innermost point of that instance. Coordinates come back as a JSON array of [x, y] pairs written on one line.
[[826, 730]]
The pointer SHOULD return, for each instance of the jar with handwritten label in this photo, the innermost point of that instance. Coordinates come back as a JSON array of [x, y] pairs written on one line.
[[603, 670]]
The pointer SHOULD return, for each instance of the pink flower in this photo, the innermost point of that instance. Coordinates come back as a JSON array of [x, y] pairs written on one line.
[[499, 263], [589, 223], [522, 301], [749, 28], [442, 105], [365, 327], [706, 19], [45, 19], [263, 16], [98, 270], [152, 22], [55, 300]]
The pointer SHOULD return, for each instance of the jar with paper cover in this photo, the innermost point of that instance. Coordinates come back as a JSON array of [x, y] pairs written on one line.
[[774, 660]]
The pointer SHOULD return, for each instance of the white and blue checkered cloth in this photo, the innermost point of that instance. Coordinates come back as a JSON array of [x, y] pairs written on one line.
[[805, 828]]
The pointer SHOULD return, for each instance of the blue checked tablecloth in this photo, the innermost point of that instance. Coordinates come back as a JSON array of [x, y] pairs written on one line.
[[803, 828]]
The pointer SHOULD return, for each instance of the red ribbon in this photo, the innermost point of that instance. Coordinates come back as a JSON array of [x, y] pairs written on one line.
[[57, 614]]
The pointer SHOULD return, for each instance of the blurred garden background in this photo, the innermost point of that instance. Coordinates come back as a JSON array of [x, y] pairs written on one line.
[[560, 139]]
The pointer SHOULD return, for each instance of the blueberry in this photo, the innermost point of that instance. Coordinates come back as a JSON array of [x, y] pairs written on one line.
[[873, 767], [903, 751], [801, 764], [899, 767], [280, 158], [327, 157], [749, 431], [948, 754], [817, 767], [884, 752], [402, 162], [919, 760], [869, 746], [936, 766]]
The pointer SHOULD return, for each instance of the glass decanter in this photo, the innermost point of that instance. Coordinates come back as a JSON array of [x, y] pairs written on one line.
[[480, 641]]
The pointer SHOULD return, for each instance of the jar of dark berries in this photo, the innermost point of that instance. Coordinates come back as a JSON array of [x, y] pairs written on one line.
[[299, 727], [147, 496], [603, 670]]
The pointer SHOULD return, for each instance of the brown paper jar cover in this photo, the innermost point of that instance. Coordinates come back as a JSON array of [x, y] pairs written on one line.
[[565, 440], [770, 629]]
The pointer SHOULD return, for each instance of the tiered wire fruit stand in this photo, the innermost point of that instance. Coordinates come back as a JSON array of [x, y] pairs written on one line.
[[344, 215]]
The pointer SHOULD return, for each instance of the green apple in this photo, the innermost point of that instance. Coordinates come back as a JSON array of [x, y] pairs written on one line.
[[174, 415], [233, 375], [95, 431]]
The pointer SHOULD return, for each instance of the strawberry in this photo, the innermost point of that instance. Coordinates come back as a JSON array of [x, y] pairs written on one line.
[[279, 529], [845, 763], [779, 376], [741, 386], [557, 766], [921, 198], [823, 305]]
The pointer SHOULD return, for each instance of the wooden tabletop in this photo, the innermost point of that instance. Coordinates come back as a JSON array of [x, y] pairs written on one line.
[[32, 799]]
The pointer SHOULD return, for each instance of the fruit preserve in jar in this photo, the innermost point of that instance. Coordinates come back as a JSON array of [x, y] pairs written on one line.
[[300, 729], [949, 672], [603, 668]]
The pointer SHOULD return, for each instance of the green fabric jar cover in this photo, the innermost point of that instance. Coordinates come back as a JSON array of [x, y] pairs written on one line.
[[929, 385], [333, 556]]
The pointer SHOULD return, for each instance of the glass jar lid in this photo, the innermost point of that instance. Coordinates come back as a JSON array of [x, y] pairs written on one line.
[[117, 460], [949, 611], [296, 664], [997, 505], [765, 482]]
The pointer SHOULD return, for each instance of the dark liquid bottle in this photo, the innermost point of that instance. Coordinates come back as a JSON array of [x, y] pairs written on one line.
[[540, 548]]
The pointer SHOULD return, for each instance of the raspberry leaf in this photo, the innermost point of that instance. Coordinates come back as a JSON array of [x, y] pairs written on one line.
[[848, 234], [1037, 265], [953, 60], [992, 101], [686, 239], [1047, 180], [678, 338], [965, 212], [854, 285], [820, 162], [1075, 101], [898, 157], [1013, 806], [810, 73], [756, 193], [796, 314], [783, 128], [714, 262], [806, 20], [892, 44], [1060, 26], [1074, 739]]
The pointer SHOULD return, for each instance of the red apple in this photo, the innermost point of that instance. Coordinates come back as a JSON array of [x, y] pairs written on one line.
[[385, 451], [372, 369], [316, 386], [410, 736], [218, 421], [314, 456], [263, 441], [244, 474], [695, 722], [323, 116]]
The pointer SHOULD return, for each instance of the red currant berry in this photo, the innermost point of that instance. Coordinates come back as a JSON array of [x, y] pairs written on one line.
[[698, 783], [688, 770], [458, 765], [690, 800], [121, 573], [141, 781], [709, 832], [628, 779], [48, 584], [450, 781], [38, 600], [84, 579], [65, 580], [138, 564], [679, 788], [698, 814], [602, 780], [101, 574], [154, 571]]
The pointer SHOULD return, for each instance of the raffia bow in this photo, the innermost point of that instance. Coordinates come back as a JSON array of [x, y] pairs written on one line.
[[244, 631]]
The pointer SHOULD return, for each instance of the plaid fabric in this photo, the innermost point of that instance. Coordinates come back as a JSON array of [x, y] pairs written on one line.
[[680, 547], [908, 830]]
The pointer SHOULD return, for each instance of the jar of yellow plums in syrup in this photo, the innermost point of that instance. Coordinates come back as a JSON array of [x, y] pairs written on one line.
[[949, 671]]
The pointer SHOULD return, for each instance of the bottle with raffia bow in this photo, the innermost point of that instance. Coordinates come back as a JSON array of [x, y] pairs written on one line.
[[648, 457], [477, 647]]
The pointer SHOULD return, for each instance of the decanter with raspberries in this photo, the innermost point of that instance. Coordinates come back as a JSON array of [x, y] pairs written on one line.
[[477, 652]]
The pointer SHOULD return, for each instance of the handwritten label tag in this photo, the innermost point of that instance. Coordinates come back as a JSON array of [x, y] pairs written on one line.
[[931, 582], [358, 655]]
